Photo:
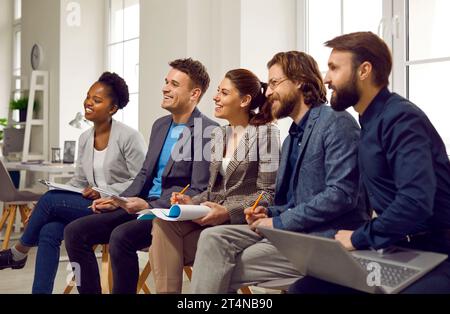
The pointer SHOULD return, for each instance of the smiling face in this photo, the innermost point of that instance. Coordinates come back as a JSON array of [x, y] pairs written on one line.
[[177, 91], [341, 79], [228, 102], [282, 93], [98, 106]]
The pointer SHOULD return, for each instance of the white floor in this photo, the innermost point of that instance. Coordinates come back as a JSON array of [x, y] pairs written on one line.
[[21, 281]]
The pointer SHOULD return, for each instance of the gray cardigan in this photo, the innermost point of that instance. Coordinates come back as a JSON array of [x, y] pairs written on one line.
[[123, 160]]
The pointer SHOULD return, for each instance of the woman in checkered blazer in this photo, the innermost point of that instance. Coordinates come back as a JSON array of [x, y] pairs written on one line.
[[244, 163]]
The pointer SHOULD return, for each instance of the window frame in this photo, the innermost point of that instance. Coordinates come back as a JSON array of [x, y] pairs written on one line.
[[109, 44]]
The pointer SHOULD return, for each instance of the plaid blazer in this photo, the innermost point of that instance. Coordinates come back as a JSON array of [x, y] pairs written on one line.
[[252, 170]]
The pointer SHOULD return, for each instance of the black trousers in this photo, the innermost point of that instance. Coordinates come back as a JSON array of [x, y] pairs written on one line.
[[125, 235]]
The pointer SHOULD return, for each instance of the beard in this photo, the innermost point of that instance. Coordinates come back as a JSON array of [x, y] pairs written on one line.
[[346, 96], [287, 104]]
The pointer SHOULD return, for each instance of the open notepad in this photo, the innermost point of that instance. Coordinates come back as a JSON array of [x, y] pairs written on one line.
[[59, 186], [175, 212]]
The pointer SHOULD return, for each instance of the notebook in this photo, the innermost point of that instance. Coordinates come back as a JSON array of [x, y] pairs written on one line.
[[176, 212]]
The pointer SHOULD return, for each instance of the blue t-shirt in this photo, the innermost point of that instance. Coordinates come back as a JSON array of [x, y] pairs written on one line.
[[171, 139]]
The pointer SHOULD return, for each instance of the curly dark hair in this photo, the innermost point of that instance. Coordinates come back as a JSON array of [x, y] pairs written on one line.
[[118, 88]]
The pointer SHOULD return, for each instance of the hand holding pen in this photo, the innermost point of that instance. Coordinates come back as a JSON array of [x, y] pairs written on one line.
[[255, 212], [180, 198]]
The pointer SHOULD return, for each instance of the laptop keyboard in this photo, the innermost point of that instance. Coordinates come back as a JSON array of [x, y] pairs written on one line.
[[391, 275]]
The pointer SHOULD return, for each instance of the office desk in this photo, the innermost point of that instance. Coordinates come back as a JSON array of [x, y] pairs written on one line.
[[50, 168], [53, 170]]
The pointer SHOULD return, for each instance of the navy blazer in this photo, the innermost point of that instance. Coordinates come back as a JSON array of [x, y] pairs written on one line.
[[328, 193], [406, 172], [192, 169]]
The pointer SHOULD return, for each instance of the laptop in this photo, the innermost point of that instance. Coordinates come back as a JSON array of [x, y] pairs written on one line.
[[382, 271]]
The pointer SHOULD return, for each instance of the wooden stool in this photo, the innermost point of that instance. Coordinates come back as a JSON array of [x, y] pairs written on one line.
[[106, 279], [142, 285], [9, 217]]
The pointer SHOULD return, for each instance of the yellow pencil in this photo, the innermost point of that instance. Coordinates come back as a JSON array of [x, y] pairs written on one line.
[[180, 193], [255, 204], [185, 188]]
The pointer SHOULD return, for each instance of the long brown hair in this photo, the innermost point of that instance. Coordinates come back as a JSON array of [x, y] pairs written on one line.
[[301, 67], [247, 83]]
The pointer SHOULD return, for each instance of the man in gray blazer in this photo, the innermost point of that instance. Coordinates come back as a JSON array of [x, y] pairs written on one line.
[[175, 158], [317, 188]]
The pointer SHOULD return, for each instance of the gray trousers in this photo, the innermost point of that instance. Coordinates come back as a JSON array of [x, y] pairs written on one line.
[[231, 256]]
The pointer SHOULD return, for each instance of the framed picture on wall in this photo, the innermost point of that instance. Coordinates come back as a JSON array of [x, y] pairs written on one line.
[[69, 152]]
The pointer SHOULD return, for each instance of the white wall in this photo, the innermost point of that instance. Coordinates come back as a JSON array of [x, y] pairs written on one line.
[[81, 60], [171, 29], [267, 27], [222, 34], [73, 55], [162, 39], [6, 30], [40, 24], [213, 33]]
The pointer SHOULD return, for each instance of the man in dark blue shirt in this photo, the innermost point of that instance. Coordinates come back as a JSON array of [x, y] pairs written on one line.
[[402, 160]]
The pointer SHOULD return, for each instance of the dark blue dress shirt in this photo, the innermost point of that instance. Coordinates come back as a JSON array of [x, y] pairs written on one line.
[[296, 132], [406, 172]]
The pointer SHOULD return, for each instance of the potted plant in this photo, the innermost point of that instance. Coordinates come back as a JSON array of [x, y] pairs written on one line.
[[3, 123], [21, 104]]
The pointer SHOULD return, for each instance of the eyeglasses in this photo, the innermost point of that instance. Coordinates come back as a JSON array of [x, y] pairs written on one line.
[[273, 83]]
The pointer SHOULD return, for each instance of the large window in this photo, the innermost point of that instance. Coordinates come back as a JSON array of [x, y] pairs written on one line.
[[339, 17], [426, 61], [327, 19], [416, 30], [123, 53]]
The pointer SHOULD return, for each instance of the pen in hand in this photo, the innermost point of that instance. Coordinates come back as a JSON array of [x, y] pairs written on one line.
[[180, 193], [185, 189], [254, 205]]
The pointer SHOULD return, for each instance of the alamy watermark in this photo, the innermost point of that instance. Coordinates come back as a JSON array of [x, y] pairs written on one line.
[[73, 278], [374, 277], [261, 144], [73, 18]]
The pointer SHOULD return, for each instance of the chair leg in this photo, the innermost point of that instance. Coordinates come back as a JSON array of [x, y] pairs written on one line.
[[142, 285], [110, 275], [69, 287], [104, 277], [246, 290], [188, 271], [142, 279], [5, 215], [24, 210], [146, 289], [9, 226]]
